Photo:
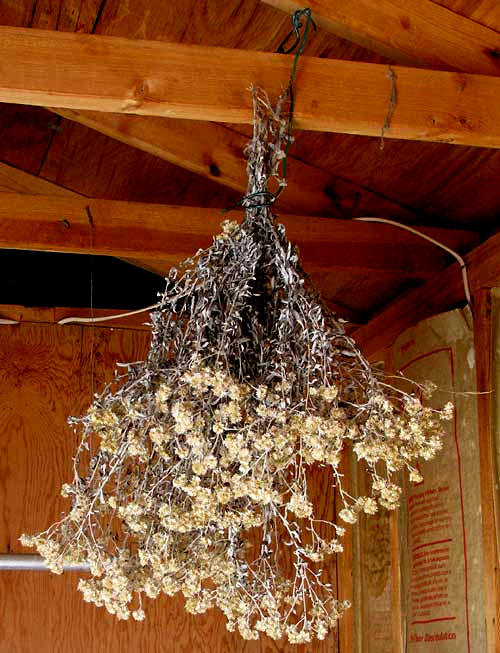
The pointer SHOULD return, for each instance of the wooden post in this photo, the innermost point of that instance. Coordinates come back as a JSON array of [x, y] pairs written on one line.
[[397, 615], [483, 337], [345, 583], [395, 534]]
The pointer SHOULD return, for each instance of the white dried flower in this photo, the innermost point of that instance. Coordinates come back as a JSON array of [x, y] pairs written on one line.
[[193, 474], [348, 515]]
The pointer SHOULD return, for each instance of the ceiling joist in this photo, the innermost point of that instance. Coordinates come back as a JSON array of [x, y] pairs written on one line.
[[164, 235], [13, 180], [112, 74], [408, 32]]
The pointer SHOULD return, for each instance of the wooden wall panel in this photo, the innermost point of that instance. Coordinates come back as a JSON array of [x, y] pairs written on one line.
[[44, 377], [485, 319]]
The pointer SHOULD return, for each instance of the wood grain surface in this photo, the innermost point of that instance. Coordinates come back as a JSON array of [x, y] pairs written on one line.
[[445, 185], [44, 377], [412, 33], [444, 291], [484, 329], [112, 74], [167, 234], [215, 152]]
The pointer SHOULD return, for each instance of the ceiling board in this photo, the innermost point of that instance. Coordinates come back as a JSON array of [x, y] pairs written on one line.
[[443, 292], [456, 183], [242, 24], [26, 132], [66, 15], [94, 165], [25, 135], [17, 13], [459, 184], [252, 24], [486, 12], [361, 292], [420, 176], [414, 33], [216, 152]]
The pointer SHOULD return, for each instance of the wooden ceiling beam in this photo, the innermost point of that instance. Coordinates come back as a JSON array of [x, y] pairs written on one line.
[[164, 235], [18, 181], [408, 32], [441, 293], [216, 152], [13, 180], [111, 74]]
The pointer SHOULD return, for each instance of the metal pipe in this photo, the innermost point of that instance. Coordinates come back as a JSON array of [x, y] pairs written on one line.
[[22, 562]]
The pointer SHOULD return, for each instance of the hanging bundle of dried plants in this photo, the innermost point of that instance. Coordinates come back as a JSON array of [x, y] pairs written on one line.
[[200, 463]]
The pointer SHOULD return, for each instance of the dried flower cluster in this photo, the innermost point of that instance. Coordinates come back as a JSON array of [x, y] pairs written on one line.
[[193, 476]]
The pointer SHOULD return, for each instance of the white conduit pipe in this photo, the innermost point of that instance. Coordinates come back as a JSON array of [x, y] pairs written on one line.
[[22, 562], [107, 318]]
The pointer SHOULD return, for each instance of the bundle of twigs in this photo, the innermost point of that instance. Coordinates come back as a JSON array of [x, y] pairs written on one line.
[[199, 463]]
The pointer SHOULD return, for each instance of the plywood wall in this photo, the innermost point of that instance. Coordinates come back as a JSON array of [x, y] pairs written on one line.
[[443, 568], [44, 378]]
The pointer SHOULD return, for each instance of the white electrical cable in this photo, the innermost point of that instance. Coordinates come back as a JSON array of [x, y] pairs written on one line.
[[460, 260], [91, 320]]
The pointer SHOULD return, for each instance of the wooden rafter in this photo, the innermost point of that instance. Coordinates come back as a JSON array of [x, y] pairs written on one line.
[[165, 235], [409, 32], [442, 292], [21, 182], [13, 180], [202, 83], [216, 152]]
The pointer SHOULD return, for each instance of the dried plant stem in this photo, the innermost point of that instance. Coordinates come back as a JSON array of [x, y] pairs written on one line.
[[193, 476]]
